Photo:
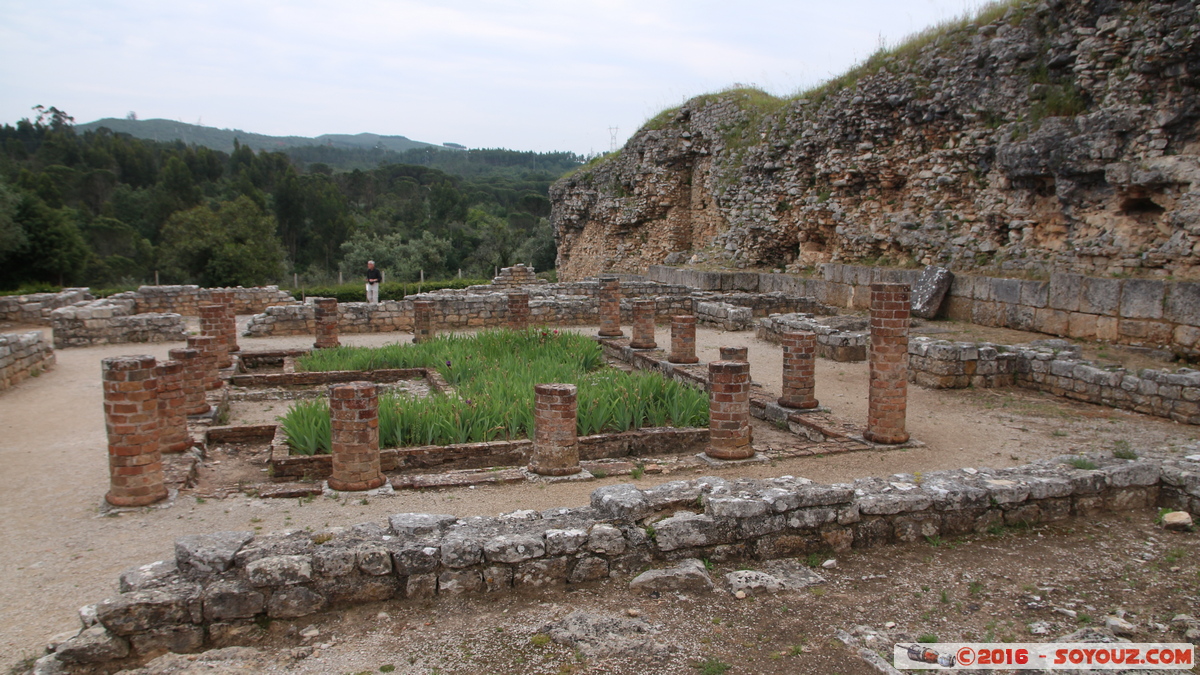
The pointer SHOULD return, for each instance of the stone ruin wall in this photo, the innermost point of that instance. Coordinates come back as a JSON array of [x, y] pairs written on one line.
[[1063, 136], [566, 304], [37, 308], [219, 584], [112, 321], [34, 308], [1140, 312], [23, 355]]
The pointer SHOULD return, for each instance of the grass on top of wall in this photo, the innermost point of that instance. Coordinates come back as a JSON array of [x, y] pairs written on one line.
[[494, 372]]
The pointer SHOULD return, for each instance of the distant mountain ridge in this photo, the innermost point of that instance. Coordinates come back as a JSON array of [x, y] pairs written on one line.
[[222, 139]]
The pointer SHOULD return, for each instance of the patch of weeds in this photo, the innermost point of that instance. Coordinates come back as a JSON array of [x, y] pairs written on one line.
[[1059, 433], [996, 529], [200, 500], [1122, 450], [1174, 555], [934, 541], [944, 597], [975, 587], [817, 591], [1083, 618], [599, 473], [386, 668], [539, 640], [813, 560], [716, 621], [651, 533], [708, 564], [322, 538], [712, 666], [928, 638], [1082, 463], [638, 471], [364, 501]]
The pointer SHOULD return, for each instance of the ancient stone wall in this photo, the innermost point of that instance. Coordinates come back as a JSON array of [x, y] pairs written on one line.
[[1057, 136], [1056, 368], [217, 584], [23, 355], [838, 338], [112, 321], [35, 308], [1143, 312], [186, 300]]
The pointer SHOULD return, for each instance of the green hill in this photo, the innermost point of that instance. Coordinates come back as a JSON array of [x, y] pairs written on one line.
[[222, 139]]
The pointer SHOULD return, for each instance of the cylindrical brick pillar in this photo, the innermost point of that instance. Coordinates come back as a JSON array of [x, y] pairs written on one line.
[[610, 306], [683, 339], [208, 360], [555, 439], [229, 319], [354, 422], [172, 429], [192, 381], [212, 324], [518, 311], [729, 410], [799, 369], [643, 324], [735, 354], [888, 401], [326, 310], [423, 321], [131, 417]]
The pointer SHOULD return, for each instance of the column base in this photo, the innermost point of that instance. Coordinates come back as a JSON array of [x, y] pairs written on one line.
[[886, 438], [555, 470], [611, 334], [683, 359], [141, 500], [643, 345], [356, 485], [798, 405]]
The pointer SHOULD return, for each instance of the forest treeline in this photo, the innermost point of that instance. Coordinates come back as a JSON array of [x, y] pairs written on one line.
[[105, 209]]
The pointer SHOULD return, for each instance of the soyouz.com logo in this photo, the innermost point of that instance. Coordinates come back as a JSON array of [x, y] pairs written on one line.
[[1040, 656]]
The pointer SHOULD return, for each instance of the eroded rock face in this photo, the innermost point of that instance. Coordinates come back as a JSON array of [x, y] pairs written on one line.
[[1061, 136]]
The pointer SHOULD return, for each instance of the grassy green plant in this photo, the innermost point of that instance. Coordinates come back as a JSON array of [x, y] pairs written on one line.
[[1082, 463], [494, 373], [307, 427], [712, 666], [927, 638], [1122, 450]]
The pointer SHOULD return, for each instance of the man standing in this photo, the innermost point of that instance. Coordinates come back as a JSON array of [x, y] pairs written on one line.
[[373, 279]]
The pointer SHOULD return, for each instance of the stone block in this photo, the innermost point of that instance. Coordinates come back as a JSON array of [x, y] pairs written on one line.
[[1183, 303], [1100, 296], [294, 601], [1051, 321], [1064, 292], [1082, 325], [687, 575], [1142, 299], [1035, 293], [930, 291]]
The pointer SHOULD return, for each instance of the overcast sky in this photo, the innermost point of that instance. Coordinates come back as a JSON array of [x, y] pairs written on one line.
[[532, 75]]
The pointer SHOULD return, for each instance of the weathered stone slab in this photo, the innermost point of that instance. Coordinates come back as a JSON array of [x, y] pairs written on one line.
[[688, 575]]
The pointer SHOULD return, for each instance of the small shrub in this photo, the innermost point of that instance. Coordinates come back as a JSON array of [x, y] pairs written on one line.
[[1122, 450], [927, 638], [540, 640], [712, 666], [1082, 463], [387, 668]]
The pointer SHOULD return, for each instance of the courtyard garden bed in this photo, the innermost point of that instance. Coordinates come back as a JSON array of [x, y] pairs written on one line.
[[493, 374]]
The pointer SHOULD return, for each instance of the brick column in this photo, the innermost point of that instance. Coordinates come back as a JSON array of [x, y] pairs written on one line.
[[212, 324], [354, 421], [555, 448], [131, 417], [729, 410], [518, 311], [205, 344], [192, 381], [683, 339], [226, 299], [735, 354], [172, 429], [888, 400], [610, 306], [423, 321], [799, 369], [643, 324], [326, 310]]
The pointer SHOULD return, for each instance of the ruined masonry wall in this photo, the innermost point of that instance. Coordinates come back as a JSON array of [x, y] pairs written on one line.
[[35, 308], [1147, 312], [110, 321], [1056, 369], [218, 583], [23, 355]]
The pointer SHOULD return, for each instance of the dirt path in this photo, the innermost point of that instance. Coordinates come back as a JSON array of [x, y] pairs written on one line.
[[60, 554]]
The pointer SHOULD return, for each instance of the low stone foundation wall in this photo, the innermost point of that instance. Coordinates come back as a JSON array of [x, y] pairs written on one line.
[[23, 355], [186, 300], [219, 584], [1148, 312], [1055, 366], [110, 321], [35, 308], [554, 304], [838, 338]]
